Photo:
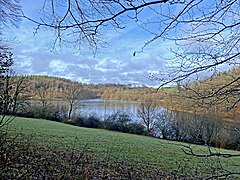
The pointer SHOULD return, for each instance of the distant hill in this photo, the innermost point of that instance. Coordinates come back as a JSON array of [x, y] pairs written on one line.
[[56, 87], [219, 94], [133, 94]]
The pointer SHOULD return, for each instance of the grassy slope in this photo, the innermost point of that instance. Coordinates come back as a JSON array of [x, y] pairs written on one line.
[[166, 155]]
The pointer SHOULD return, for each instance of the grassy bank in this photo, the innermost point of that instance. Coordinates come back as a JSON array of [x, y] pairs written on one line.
[[165, 155]]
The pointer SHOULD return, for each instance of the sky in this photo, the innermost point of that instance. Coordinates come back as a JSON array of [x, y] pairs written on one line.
[[114, 63]]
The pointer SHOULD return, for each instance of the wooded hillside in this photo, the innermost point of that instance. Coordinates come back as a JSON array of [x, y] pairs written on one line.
[[55, 88], [218, 94]]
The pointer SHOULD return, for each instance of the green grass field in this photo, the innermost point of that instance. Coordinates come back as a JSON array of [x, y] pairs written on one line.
[[166, 155]]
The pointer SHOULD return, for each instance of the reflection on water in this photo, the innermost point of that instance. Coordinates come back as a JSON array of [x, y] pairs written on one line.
[[104, 108]]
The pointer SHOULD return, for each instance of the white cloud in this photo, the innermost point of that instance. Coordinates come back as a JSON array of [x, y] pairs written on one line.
[[114, 64]]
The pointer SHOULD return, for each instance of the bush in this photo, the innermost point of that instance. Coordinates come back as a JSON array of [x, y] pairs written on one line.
[[118, 121], [137, 128], [91, 121], [77, 121], [52, 112]]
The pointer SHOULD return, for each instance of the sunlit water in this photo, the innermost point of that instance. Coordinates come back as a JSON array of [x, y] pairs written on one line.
[[105, 108]]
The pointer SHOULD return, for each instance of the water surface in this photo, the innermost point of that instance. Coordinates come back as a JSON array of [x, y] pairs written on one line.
[[104, 108]]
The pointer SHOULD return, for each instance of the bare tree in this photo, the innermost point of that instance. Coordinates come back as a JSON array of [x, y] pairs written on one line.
[[11, 86], [85, 21], [72, 95], [215, 153], [17, 91], [163, 123], [9, 12], [11, 89], [5, 100], [146, 112], [43, 93]]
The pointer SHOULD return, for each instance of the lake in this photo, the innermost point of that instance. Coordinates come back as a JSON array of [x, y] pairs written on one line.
[[104, 108]]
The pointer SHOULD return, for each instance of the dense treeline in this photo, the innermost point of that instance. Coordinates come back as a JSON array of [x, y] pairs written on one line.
[[208, 95], [132, 94], [206, 129], [55, 88]]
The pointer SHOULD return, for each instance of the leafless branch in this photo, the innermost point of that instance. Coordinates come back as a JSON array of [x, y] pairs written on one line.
[[189, 151]]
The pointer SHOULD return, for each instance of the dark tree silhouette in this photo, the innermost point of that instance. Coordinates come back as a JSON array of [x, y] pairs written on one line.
[[11, 88], [72, 95], [146, 112]]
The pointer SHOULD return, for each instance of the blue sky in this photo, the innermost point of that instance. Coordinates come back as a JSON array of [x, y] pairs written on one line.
[[113, 64]]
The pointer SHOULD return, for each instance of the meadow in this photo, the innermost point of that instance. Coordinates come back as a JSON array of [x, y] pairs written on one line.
[[114, 146]]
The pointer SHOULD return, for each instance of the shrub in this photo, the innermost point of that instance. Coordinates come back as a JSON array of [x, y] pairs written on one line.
[[91, 121], [137, 128], [118, 122], [52, 112]]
